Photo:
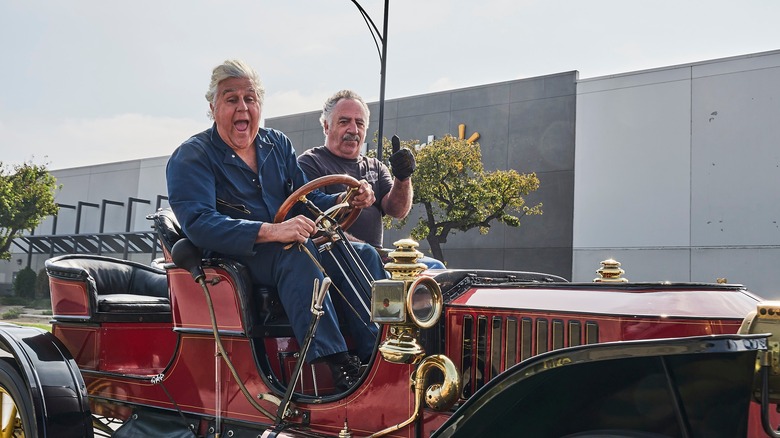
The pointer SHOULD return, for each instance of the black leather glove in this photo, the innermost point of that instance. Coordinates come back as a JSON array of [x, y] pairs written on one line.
[[403, 164]]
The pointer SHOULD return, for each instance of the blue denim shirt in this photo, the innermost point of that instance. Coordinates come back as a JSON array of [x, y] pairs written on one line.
[[220, 202]]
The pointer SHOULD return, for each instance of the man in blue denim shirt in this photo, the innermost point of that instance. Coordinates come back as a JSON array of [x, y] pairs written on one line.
[[225, 185]]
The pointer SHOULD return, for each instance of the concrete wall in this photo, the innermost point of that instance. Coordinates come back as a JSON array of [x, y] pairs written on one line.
[[526, 125], [678, 171], [141, 179]]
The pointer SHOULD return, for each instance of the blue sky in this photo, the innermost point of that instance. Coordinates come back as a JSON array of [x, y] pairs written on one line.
[[90, 81]]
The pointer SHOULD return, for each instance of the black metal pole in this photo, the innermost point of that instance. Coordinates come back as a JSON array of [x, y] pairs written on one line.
[[378, 38], [126, 236], [382, 72], [78, 212]]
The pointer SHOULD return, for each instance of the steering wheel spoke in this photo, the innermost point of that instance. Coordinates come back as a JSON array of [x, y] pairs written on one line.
[[341, 212]]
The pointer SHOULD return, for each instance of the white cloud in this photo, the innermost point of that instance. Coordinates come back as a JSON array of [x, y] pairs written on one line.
[[82, 142], [293, 102], [443, 84], [88, 61]]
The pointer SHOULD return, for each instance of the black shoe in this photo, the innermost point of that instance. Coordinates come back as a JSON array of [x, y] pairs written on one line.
[[345, 369]]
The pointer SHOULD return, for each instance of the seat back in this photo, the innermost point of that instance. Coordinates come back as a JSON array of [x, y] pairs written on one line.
[[99, 288], [260, 306], [168, 230]]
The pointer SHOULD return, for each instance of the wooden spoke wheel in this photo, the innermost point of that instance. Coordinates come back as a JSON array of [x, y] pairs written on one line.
[[16, 414]]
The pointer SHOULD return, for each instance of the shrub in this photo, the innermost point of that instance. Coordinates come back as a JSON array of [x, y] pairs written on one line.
[[11, 313], [24, 283], [40, 303], [42, 285], [13, 301]]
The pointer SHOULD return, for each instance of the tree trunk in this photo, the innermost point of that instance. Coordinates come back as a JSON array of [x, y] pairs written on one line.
[[435, 245]]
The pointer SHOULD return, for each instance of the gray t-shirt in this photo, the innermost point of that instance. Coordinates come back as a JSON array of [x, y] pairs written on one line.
[[319, 161]]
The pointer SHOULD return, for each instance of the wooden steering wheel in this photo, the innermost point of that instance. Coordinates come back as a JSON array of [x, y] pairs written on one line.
[[346, 216]]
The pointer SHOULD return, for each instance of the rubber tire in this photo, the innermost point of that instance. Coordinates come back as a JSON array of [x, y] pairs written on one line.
[[13, 384]]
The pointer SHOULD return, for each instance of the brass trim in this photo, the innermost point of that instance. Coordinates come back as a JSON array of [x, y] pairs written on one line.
[[439, 397], [768, 310], [401, 345], [437, 298], [404, 265], [610, 272]]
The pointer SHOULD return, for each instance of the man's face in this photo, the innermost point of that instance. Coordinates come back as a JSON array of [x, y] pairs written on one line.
[[346, 129], [236, 112]]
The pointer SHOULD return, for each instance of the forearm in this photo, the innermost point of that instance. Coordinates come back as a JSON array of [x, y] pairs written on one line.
[[295, 229], [398, 201], [266, 233]]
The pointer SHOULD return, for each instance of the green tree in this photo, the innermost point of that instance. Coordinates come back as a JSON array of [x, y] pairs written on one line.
[[26, 198], [24, 283], [457, 194]]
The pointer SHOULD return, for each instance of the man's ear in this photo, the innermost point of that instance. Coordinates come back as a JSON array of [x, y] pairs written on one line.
[[325, 127]]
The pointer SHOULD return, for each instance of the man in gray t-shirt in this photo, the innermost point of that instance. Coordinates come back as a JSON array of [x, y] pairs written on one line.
[[344, 121], [320, 161]]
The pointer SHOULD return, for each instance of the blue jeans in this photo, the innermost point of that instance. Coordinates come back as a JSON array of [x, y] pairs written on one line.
[[292, 272]]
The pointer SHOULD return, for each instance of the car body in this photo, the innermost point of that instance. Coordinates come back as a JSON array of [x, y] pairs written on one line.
[[194, 349]]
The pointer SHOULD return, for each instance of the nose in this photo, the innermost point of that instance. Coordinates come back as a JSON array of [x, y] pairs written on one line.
[[242, 105]]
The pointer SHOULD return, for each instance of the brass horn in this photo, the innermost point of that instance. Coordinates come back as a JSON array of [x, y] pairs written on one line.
[[439, 396]]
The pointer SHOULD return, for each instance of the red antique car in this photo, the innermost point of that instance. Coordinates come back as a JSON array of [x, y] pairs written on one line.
[[188, 347]]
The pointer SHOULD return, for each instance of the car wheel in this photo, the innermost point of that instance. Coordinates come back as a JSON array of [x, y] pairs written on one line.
[[16, 412]]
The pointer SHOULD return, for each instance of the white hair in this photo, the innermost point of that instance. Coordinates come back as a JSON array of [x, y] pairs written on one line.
[[327, 108], [233, 68]]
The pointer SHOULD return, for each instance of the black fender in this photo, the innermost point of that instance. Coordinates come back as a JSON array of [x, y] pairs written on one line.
[[697, 386], [53, 382]]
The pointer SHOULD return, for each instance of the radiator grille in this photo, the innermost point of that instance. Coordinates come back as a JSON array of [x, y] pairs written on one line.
[[491, 344]]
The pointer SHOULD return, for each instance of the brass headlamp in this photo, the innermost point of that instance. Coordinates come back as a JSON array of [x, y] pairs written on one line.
[[407, 302]]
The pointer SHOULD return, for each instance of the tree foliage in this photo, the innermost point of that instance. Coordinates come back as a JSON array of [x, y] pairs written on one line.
[[457, 194], [26, 198]]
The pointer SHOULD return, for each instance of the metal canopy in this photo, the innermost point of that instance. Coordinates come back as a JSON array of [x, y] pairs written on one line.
[[136, 242]]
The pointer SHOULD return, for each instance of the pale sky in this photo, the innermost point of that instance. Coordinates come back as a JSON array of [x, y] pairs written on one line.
[[92, 81]]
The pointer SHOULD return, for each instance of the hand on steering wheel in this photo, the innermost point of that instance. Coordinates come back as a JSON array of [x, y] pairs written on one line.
[[342, 212]]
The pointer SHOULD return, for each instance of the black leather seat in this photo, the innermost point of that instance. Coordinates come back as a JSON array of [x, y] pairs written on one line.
[[117, 290], [260, 306]]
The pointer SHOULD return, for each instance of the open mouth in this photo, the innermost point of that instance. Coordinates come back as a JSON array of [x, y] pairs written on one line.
[[241, 125]]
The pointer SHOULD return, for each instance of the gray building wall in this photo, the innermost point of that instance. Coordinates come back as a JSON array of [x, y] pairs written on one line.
[[116, 182], [526, 125], [678, 172]]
